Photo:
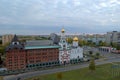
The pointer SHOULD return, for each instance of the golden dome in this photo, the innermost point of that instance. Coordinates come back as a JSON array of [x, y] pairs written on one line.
[[62, 30], [75, 39]]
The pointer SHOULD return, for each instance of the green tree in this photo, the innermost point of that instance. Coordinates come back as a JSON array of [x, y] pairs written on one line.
[[90, 43], [101, 43], [69, 40], [1, 61], [115, 45], [92, 65], [84, 42], [118, 47], [2, 48], [80, 42], [59, 76], [91, 53], [0, 41], [97, 55]]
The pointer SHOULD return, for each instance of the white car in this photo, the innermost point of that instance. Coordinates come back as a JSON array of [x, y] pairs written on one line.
[[3, 69], [86, 59]]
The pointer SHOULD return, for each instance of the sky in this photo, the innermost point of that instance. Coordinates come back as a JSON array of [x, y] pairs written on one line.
[[48, 16]]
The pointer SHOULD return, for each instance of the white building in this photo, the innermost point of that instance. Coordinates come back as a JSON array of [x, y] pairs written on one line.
[[76, 51], [68, 52]]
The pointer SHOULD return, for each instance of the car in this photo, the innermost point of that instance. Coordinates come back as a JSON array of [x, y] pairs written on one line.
[[3, 69], [86, 59]]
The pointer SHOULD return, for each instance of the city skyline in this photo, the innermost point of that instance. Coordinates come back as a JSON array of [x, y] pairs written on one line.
[[48, 16]]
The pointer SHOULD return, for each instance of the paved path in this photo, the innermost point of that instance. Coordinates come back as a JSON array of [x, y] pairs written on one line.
[[66, 68]]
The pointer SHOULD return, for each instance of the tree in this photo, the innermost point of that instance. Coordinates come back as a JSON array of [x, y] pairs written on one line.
[[92, 64], [59, 76], [97, 55], [69, 40], [0, 41], [90, 43], [115, 45], [118, 47], [101, 43], [1, 62], [91, 53], [80, 43], [84, 42], [2, 48]]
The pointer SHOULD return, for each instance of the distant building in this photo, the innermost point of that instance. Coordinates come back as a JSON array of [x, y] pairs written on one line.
[[55, 38], [106, 49], [96, 38], [112, 37], [7, 38]]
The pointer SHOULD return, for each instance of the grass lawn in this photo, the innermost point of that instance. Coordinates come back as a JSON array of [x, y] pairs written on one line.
[[102, 72], [1, 78]]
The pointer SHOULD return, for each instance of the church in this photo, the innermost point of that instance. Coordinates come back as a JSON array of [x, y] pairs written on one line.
[[69, 53]]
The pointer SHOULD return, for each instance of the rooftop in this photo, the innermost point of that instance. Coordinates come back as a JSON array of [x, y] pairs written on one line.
[[41, 47], [39, 43]]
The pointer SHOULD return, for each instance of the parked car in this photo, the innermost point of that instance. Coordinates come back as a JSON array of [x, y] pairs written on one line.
[[86, 59], [3, 69]]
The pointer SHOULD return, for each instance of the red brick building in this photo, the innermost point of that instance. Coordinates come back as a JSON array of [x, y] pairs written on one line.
[[31, 55]]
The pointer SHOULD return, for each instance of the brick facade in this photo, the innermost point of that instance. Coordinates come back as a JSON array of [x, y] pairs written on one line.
[[15, 59], [18, 59]]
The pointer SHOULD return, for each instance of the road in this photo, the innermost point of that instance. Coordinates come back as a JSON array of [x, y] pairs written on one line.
[[66, 68]]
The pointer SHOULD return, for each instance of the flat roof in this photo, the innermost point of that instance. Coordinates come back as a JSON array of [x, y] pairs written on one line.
[[40, 47]]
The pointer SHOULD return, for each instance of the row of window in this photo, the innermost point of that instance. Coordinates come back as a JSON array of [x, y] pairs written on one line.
[[43, 57], [42, 53], [11, 65], [36, 61], [14, 68]]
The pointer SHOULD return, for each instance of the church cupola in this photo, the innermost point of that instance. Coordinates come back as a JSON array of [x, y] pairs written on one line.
[[75, 42], [63, 31], [75, 39]]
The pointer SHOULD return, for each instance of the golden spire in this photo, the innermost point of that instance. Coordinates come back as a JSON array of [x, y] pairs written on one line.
[[63, 30]]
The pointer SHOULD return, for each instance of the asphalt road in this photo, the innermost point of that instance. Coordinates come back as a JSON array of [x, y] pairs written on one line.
[[66, 68]]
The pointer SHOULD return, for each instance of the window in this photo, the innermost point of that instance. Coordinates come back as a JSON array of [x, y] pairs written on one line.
[[63, 41]]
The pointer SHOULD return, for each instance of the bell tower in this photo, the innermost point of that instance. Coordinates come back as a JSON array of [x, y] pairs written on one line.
[[64, 56], [63, 41]]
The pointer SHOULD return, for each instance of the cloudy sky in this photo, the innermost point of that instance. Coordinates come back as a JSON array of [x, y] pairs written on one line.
[[47, 16]]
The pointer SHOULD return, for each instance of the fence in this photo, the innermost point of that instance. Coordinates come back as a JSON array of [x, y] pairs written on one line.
[[115, 70]]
